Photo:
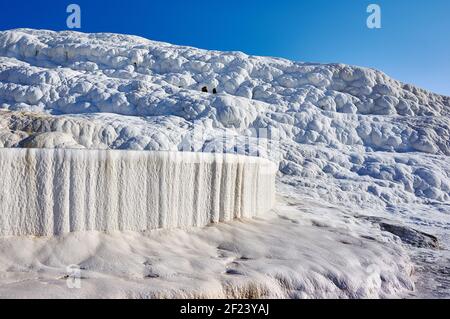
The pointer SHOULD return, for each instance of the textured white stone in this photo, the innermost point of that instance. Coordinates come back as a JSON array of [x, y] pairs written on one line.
[[55, 191], [351, 139]]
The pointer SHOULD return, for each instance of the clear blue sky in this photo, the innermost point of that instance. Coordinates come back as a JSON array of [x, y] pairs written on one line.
[[413, 44]]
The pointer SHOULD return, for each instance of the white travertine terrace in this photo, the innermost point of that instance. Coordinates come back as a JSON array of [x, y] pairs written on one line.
[[46, 192], [352, 144]]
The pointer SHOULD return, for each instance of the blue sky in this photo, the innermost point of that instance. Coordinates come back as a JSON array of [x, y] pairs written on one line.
[[413, 44]]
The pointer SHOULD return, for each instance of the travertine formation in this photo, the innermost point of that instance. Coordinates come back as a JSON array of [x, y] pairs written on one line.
[[55, 191], [350, 142]]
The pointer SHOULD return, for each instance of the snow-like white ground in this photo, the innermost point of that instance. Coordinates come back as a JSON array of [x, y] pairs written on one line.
[[361, 157], [284, 255]]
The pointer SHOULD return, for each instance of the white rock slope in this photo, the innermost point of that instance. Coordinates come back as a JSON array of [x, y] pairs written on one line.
[[346, 137]]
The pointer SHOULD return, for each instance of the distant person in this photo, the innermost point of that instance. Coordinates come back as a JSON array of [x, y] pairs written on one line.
[[204, 89]]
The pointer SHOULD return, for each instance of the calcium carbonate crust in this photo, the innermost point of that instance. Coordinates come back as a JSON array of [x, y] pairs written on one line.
[[329, 121], [350, 143], [55, 191]]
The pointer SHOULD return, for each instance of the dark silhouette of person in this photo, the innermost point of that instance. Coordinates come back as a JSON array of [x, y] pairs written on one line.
[[214, 91], [204, 89]]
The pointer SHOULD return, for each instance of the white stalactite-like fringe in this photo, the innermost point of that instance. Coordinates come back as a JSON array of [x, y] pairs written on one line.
[[47, 192]]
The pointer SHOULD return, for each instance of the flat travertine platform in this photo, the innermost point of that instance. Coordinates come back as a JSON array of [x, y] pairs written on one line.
[[47, 192]]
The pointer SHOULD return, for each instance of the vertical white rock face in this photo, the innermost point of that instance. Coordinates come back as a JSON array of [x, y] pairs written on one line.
[[46, 192]]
